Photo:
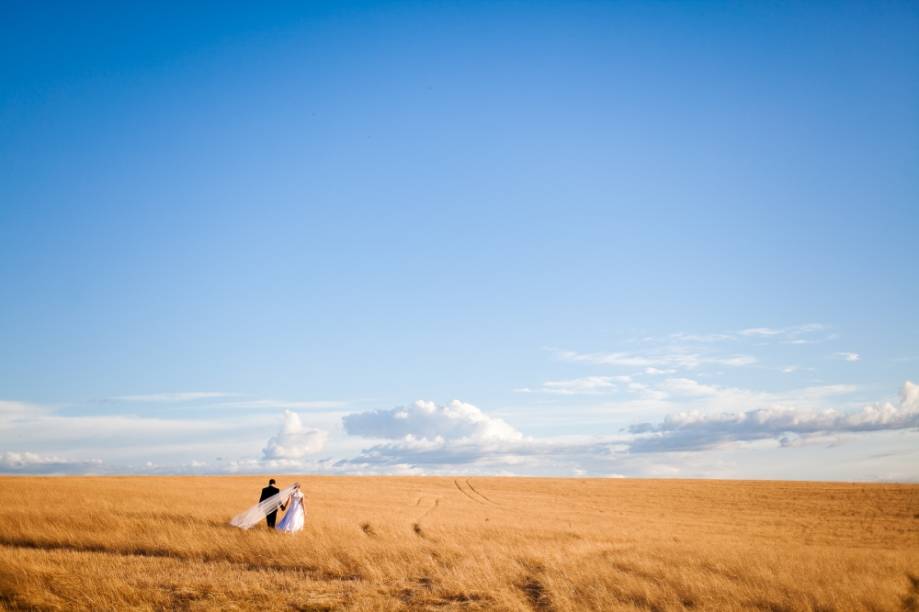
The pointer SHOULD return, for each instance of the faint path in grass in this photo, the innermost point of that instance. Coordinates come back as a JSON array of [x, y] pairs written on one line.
[[429, 510], [416, 525]]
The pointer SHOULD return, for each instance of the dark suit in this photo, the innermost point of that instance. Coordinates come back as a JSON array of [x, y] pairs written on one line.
[[267, 492]]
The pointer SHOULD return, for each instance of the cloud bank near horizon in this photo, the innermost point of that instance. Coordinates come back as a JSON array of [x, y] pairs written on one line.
[[429, 438], [660, 402]]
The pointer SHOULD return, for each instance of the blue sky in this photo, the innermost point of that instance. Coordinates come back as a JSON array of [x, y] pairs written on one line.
[[241, 239]]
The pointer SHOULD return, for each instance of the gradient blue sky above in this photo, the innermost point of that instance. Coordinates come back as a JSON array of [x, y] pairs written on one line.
[[634, 239]]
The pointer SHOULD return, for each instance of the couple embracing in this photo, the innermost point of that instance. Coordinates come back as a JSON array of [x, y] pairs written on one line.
[[272, 500], [294, 517]]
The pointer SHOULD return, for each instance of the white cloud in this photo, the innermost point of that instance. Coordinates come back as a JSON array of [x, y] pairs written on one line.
[[288, 405], [10, 409], [816, 393], [114, 430], [427, 420], [294, 441], [439, 438], [617, 359], [671, 395], [459, 437], [735, 361], [851, 357], [687, 386], [7, 407], [203, 401], [796, 334], [427, 438], [646, 392], [685, 352], [695, 430], [699, 338], [526, 455], [34, 463], [673, 359], [719, 397], [185, 396], [760, 331], [123, 441], [576, 386], [808, 333], [792, 330]]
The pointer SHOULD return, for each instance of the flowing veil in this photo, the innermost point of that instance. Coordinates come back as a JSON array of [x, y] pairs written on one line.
[[256, 514]]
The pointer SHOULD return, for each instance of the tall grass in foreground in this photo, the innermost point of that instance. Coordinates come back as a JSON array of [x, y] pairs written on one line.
[[445, 543]]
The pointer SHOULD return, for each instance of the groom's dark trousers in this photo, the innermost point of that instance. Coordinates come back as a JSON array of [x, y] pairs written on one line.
[[267, 492]]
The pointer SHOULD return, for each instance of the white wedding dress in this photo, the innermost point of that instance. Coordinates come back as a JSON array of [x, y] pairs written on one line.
[[295, 516]]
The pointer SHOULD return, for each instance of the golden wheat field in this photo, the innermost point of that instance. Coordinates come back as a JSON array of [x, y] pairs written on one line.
[[375, 543]]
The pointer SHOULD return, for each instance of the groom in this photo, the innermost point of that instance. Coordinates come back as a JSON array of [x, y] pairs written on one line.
[[267, 492]]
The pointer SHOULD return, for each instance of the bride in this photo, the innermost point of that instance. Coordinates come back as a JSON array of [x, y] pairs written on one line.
[[293, 519]]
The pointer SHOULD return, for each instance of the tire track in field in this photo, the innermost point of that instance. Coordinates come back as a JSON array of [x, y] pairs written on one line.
[[464, 492], [476, 491]]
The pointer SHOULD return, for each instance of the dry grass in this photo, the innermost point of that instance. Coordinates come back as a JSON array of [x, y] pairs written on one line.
[[478, 543]]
